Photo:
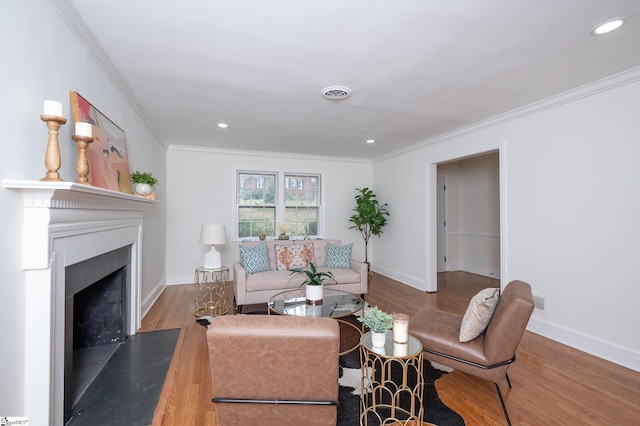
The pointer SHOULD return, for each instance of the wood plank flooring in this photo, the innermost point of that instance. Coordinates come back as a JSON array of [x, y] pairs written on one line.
[[553, 384]]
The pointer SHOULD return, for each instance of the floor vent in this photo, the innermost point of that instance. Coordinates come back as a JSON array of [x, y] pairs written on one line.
[[540, 303]]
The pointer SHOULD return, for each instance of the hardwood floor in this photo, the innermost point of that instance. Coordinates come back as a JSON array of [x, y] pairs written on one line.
[[553, 384]]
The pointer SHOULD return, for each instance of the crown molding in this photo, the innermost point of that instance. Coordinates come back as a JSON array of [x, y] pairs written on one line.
[[590, 89], [268, 154], [75, 23]]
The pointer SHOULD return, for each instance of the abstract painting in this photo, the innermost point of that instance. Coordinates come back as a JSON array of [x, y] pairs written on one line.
[[107, 154]]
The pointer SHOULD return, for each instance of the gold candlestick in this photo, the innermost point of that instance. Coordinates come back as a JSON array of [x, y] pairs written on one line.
[[82, 166], [52, 156]]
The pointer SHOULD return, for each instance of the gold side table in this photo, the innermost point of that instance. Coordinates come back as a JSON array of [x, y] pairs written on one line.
[[392, 382], [211, 290]]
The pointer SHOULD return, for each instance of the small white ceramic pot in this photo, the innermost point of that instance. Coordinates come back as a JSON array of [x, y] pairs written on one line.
[[142, 188], [378, 339], [314, 294]]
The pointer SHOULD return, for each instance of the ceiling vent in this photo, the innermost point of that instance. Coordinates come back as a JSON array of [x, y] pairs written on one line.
[[336, 93]]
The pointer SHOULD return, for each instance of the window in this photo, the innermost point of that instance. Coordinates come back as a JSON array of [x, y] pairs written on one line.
[[256, 204], [261, 207], [302, 204]]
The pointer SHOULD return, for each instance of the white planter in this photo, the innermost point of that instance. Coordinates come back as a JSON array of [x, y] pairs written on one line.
[[378, 339], [142, 188], [314, 294]]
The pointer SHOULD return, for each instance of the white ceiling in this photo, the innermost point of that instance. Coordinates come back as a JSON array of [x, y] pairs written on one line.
[[417, 68]]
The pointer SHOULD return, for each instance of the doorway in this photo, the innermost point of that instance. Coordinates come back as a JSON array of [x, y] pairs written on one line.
[[468, 212]]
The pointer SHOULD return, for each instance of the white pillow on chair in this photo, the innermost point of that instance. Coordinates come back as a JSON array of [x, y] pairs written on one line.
[[478, 314]]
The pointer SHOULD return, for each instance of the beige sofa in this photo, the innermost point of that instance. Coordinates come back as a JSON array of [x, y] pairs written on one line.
[[259, 287]]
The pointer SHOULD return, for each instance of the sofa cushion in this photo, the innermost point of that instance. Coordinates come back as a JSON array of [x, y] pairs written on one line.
[[294, 256], [254, 259], [283, 280], [338, 256], [478, 314]]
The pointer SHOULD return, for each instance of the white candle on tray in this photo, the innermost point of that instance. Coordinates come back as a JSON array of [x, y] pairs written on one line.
[[400, 328], [84, 129], [53, 108]]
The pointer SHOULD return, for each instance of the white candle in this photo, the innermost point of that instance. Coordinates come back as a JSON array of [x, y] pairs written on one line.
[[53, 108], [400, 328], [84, 129]]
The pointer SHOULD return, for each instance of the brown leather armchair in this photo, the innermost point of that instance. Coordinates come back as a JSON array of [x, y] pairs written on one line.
[[274, 370], [487, 356]]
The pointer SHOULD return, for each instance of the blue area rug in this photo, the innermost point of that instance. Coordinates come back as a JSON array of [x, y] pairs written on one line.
[[127, 389]]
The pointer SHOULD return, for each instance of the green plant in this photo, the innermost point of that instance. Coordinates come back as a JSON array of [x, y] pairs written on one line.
[[370, 217], [313, 276], [143, 177], [376, 320]]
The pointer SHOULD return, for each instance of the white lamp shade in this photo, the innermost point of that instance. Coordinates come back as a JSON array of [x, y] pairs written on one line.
[[213, 234]]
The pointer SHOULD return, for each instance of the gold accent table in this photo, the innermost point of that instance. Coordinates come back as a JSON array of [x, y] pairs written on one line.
[[211, 292], [392, 382]]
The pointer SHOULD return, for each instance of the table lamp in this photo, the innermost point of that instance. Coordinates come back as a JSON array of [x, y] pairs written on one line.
[[214, 235]]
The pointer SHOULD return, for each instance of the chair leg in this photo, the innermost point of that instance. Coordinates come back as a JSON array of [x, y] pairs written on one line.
[[240, 309], [508, 381], [504, 407]]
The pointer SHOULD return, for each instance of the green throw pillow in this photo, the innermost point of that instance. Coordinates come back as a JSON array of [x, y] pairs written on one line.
[[338, 256], [254, 259]]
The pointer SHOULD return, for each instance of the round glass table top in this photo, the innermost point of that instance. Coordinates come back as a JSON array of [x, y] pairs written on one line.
[[392, 349], [335, 304]]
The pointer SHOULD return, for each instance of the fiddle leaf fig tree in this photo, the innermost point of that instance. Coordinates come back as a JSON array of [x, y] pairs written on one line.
[[369, 218]]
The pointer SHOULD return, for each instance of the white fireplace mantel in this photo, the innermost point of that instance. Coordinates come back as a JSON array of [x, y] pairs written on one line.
[[65, 195], [65, 223]]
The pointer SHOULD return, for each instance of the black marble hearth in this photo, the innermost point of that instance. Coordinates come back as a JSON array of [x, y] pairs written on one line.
[[127, 389]]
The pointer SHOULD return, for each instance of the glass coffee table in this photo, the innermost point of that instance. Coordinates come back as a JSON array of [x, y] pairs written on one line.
[[336, 304]]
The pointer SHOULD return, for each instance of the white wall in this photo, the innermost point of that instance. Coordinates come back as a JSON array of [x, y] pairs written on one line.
[[201, 188], [43, 59], [570, 212], [473, 214]]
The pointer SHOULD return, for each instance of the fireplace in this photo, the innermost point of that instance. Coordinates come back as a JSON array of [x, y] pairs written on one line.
[[95, 319], [64, 225]]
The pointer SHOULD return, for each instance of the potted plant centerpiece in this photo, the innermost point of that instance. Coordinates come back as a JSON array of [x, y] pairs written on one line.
[[314, 282], [144, 182], [369, 218], [379, 322]]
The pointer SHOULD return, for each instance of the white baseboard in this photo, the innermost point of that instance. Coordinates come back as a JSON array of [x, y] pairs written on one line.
[[188, 279], [478, 270], [180, 279], [409, 280], [151, 298], [604, 350]]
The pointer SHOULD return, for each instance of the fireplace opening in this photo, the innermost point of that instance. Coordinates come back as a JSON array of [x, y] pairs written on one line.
[[96, 318]]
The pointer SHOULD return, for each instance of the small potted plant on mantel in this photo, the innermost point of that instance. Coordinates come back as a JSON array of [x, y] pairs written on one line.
[[379, 322], [143, 183]]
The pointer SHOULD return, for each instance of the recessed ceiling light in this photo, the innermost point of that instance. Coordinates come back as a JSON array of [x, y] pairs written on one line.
[[223, 125], [371, 141], [608, 26]]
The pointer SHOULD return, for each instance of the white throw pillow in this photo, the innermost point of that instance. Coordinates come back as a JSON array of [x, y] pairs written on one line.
[[478, 314]]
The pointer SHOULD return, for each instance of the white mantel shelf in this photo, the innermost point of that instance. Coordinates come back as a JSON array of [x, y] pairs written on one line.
[[63, 195]]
